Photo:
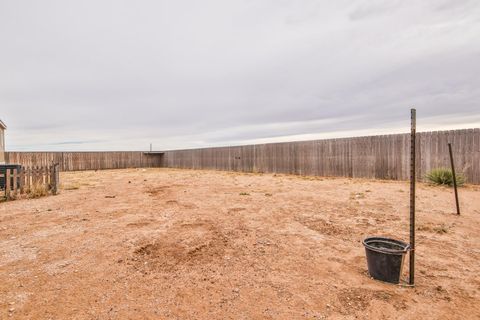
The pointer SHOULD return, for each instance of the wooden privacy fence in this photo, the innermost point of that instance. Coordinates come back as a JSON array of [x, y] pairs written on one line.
[[380, 157], [78, 161], [29, 179]]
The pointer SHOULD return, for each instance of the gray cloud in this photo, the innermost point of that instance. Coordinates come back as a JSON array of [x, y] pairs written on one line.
[[117, 75]]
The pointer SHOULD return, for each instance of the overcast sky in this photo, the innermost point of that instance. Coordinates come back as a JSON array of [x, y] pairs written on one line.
[[118, 75]]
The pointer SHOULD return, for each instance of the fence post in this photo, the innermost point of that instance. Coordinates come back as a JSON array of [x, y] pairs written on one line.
[[22, 180], [5, 191], [55, 178], [38, 176], [7, 184], [52, 177], [48, 175], [15, 182], [28, 177]]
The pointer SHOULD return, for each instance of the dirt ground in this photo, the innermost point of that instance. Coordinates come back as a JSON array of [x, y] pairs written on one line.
[[184, 244]]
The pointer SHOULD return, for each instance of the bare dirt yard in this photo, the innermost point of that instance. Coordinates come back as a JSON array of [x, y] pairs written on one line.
[[184, 244]]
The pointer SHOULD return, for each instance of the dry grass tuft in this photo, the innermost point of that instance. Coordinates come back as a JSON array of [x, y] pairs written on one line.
[[37, 191]]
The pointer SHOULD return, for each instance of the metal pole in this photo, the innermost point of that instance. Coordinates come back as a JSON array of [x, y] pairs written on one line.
[[454, 177], [413, 116]]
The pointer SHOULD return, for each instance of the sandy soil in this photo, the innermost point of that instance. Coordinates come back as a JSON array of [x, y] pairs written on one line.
[[173, 244]]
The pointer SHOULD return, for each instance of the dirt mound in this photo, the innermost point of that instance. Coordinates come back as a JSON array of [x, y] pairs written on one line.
[[322, 226], [186, 244], [158, 190]]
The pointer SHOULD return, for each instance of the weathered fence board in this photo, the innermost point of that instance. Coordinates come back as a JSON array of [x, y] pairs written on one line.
[[381, 157]]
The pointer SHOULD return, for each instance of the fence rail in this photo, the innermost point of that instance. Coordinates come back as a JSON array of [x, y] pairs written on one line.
[[381, 157]]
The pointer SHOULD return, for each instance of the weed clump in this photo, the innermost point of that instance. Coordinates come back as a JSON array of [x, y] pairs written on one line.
[[444, 176]]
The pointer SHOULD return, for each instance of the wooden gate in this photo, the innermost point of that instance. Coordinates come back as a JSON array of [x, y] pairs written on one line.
[[34, 181]]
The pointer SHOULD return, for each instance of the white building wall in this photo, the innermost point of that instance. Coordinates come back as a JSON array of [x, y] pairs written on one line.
[[2, 146]]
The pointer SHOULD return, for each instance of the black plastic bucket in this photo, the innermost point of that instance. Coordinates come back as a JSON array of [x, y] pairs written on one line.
[[385, 258]]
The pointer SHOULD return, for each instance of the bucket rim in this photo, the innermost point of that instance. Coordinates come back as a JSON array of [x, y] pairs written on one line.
[[404, 245]]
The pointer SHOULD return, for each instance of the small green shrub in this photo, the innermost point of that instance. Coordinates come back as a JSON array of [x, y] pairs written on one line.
[[444, 176]]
